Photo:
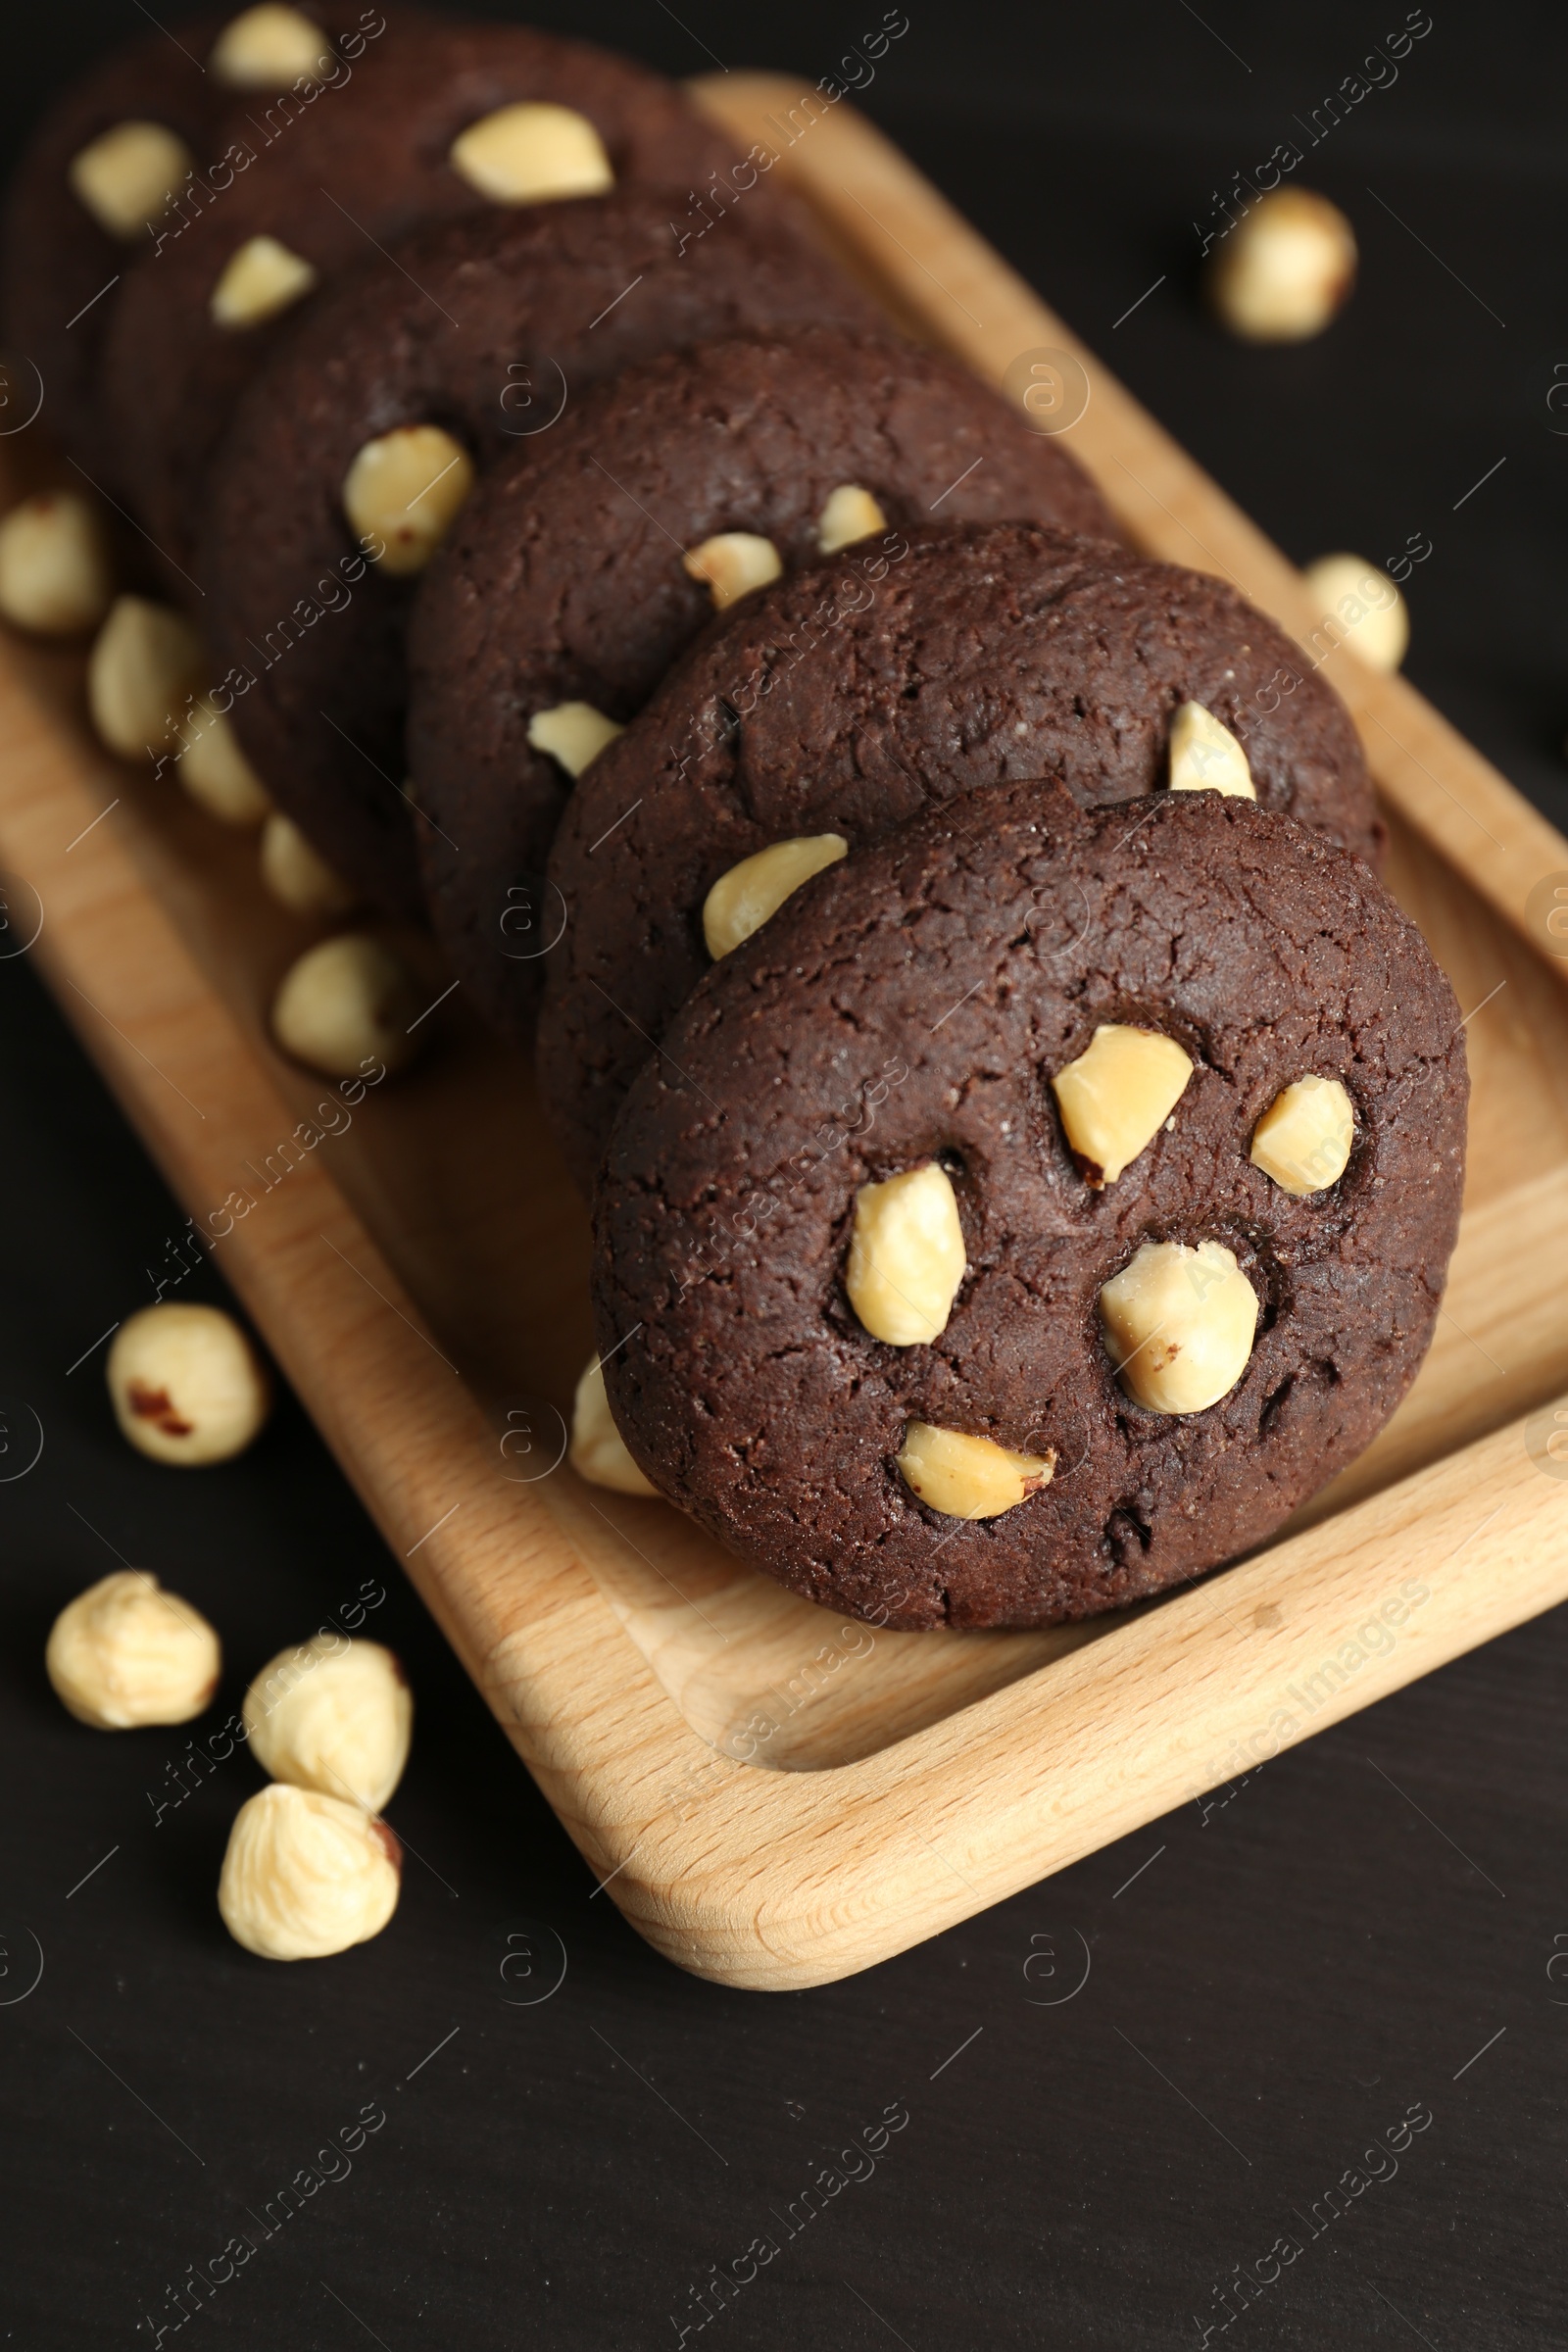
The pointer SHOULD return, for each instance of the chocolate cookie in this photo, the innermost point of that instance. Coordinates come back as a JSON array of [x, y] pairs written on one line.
[[484, 328], [1044, 1203], [567, 582], [368, 161], [842, 702], [59, 262]]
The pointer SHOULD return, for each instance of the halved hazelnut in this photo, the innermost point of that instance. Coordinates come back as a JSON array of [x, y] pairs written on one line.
[[404, 488], [532, 153], [269, 48], [733, 564], [850, 514], [1179, 1325], [1116, 1096], [969, 1478], [573, 733], [127, 175], [55, 570], [741, 900], [1206, 757], [259, 280], [1303, 1139], [598, 1450], [297, 874], [906, 1259]]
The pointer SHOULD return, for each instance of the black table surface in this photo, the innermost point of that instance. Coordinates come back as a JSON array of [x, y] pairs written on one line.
[[1341, 1974]]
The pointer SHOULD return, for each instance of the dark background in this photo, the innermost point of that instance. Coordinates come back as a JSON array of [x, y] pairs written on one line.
[[1296, 1965]]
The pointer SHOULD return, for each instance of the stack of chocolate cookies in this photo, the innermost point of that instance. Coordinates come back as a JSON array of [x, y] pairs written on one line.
[[1025, 1139]]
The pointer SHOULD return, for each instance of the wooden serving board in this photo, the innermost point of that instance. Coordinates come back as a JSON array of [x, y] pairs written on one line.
[[773, 1796]]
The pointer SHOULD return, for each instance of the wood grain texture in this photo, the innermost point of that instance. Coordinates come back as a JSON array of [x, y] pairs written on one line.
[[774, 1796]]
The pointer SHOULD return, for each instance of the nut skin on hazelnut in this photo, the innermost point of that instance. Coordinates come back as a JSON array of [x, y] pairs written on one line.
[[1360, 600], [145, 664], [125, 1653], [1206, 757], [56, 574], [741, 900], [534, 152], [1285, 269], [348, 1001], [269, 48], [259, 281], [306, 1875], [849, 513], [333, 1715], [1116, 1096], [1305, 1139], [969, 1478], [296, 874], [907, 1257], [186, 1385], [572, 734], [598, 1450], [124, 178], [405, 489], [733, 564], [1179, 1325]]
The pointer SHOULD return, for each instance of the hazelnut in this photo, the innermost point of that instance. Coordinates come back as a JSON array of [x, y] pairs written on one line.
[[269, 48], [145, 664], [125, 1653], [598, 1451], [907, 1257], [186, 1385], [216, 772], [969, 1478], [124, 176], [1116, 1096], [1284, 270], [55, 570], [741, 900], [1206, 757], [295, 874], [850, 514], [733, 564], [1360, 600], [405, 489], [333, 1715], [1303, 1139], [348, 1001], [532, 153], [260, 279], [573, 733], [306, 1875], [1179, 1325]]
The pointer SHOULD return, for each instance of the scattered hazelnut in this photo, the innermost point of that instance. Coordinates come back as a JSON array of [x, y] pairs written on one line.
[[297, 874], [269, 48], [216, 772], [969, 1478], [850, 514], [741, 900], [532, 153], [1116, 1096], [125, 1653], [124, 176], [1179, 1325], [333, 1715], [598, 1450], [306, 1875], [1206, 757], [260, 279], [1303, 1139], [733, 564], [1361, 599], [55, 570], [186, 1385], [1284, 270], [346, 1003], [145, 664], [574, 733], [405, 489], [907, 1257]]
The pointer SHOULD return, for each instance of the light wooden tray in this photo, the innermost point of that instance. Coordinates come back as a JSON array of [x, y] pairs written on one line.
[[774, 1796]]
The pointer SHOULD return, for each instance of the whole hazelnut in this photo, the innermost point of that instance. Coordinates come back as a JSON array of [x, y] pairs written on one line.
[[333, 1715], [348, 1001], [186, 1385], [125, 1653], [306, 1875], [1285, 269], [1358, 602]]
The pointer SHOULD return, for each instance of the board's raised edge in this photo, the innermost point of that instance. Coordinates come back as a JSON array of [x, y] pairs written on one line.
[[752, 1878]]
